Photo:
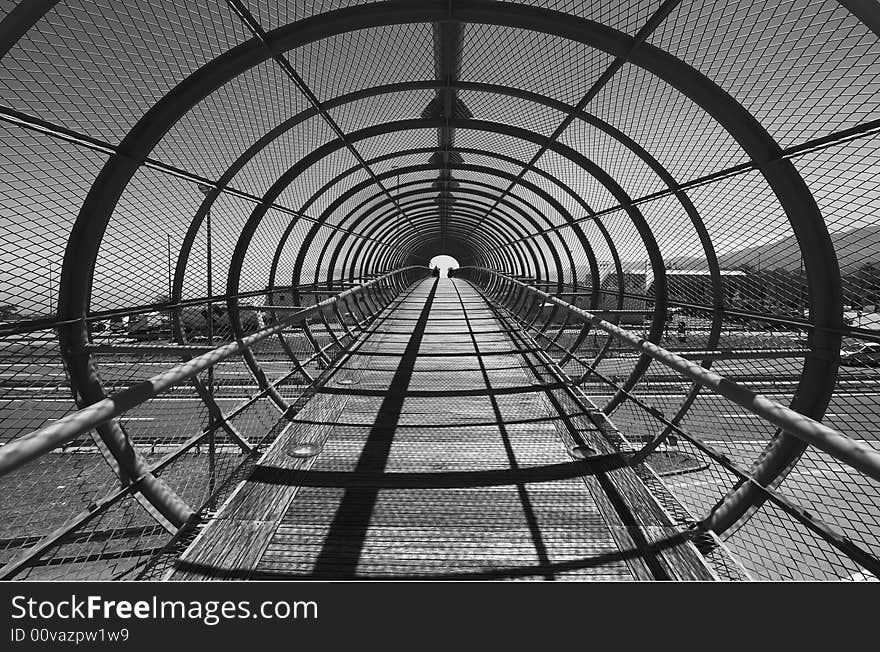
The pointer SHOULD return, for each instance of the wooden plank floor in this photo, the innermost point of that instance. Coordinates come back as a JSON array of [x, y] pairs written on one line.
[[441, 456]]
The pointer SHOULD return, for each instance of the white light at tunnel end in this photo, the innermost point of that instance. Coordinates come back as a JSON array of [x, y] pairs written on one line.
[[444, 262]]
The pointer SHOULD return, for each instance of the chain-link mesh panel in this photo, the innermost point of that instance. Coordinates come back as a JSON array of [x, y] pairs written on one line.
[[44, 182], [540, 63], [212, 135], [819, 59], [702, 444], [84, 74], [97, 67]]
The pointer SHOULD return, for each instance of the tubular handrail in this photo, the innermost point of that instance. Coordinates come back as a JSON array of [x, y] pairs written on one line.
[[843, 448], [28, 447]]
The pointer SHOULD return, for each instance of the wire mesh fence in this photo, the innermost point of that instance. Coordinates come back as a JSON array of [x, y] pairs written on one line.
[[705, 444], [731, 220], [73, 512]]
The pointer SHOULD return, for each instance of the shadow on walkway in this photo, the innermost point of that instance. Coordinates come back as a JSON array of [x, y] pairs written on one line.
[[342, 548]]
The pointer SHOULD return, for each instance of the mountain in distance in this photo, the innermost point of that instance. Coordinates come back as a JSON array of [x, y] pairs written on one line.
[[854, 249]]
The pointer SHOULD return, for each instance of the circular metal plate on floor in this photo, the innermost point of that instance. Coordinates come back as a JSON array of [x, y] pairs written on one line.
[[581, 452], [304, 449]]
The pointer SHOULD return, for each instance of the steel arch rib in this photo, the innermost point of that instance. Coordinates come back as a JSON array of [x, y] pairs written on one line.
[[474, 168], [820, 264], [485, 246]]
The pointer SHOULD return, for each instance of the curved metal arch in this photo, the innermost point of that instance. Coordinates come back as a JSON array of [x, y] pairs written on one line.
[[465, 199], [355, 254], [617, 266], [338, 201], [600, 175], [429, 209], [521, 258], [579, 234], [369, 92], [517, 260], [823, 280], [513, 225], [604, 37], [575, 157], [525, 95], [427, 218], [510, 259], [428, 150], [540, 172], [379, 211], [596, 219], [537, 259], [483, 87], [274, 266], [293, 173], [341, 100], [468, 167], [521, 267], [19, 20], [363, 133], [412, 124]]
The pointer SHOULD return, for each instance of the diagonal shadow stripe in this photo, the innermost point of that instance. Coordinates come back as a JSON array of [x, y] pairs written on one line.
[[525, 499], [344, 542], [450, 393], [443, 480]]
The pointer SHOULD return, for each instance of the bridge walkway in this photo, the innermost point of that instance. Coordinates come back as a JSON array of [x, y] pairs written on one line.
[[442, 447]]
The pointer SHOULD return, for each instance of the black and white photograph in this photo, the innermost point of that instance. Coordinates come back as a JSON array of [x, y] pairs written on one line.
[[442, 293]]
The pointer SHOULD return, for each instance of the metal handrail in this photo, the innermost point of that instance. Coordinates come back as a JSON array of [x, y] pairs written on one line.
[[28, 447], [843, 448]]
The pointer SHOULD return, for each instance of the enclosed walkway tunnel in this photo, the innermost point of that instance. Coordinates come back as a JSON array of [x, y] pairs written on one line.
[[666, 212]]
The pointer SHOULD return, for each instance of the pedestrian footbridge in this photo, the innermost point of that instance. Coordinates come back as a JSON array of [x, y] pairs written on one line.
[[444, 445], [226, 351]]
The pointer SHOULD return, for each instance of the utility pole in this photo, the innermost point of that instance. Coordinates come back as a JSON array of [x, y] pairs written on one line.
[[168, 241], [209, 325], [397, 222], [802, 299], [209, 320]]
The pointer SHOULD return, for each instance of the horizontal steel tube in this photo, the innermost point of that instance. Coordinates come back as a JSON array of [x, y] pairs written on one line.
[[858, 456], [148, 349], [734, 354], [32, 445]]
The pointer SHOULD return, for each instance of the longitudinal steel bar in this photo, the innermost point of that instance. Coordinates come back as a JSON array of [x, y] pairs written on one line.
[[744, 354], [448, 39], [654, 21], [44, 323], [30, 446], [22, 119], [253, 24], [863, 333], [857, 455], [44, 544], [803, 516], [149, 349], [830, 534]]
